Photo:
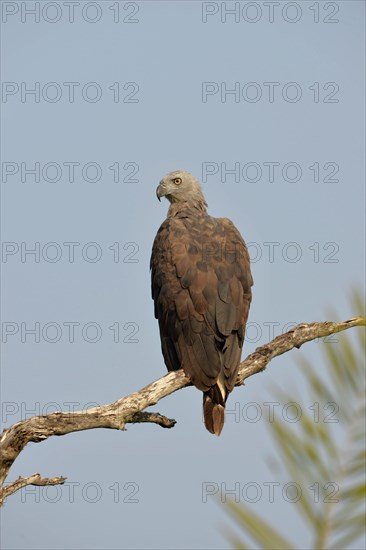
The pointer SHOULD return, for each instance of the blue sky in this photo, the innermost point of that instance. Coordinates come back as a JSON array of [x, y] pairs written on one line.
[[267, 109]]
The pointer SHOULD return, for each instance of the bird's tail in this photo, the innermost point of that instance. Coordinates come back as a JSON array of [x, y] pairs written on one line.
[[214, 408]]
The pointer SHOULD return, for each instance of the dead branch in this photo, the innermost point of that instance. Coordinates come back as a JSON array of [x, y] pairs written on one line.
[[130, 409], [34, 479]]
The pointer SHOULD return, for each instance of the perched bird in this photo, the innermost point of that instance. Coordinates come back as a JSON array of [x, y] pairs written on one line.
[[201, 287]]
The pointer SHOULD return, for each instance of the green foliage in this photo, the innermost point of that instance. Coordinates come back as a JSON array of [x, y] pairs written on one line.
[[331, 453]]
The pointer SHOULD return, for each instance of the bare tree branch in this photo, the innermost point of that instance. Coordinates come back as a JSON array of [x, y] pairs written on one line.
[[129, 409], [295, 338], [21, 482]]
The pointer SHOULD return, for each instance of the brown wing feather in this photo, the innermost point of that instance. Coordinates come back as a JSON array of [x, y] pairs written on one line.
[[201, 286]]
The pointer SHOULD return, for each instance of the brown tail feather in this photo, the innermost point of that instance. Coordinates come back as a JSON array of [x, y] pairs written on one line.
[[214, 410]]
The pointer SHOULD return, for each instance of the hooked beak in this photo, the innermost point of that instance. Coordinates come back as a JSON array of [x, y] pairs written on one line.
[[160, 191]]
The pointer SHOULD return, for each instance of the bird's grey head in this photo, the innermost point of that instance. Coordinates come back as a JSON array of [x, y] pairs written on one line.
[[181, 187]]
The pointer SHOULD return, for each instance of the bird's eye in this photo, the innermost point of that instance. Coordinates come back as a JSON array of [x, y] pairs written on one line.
[[177, 181]]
